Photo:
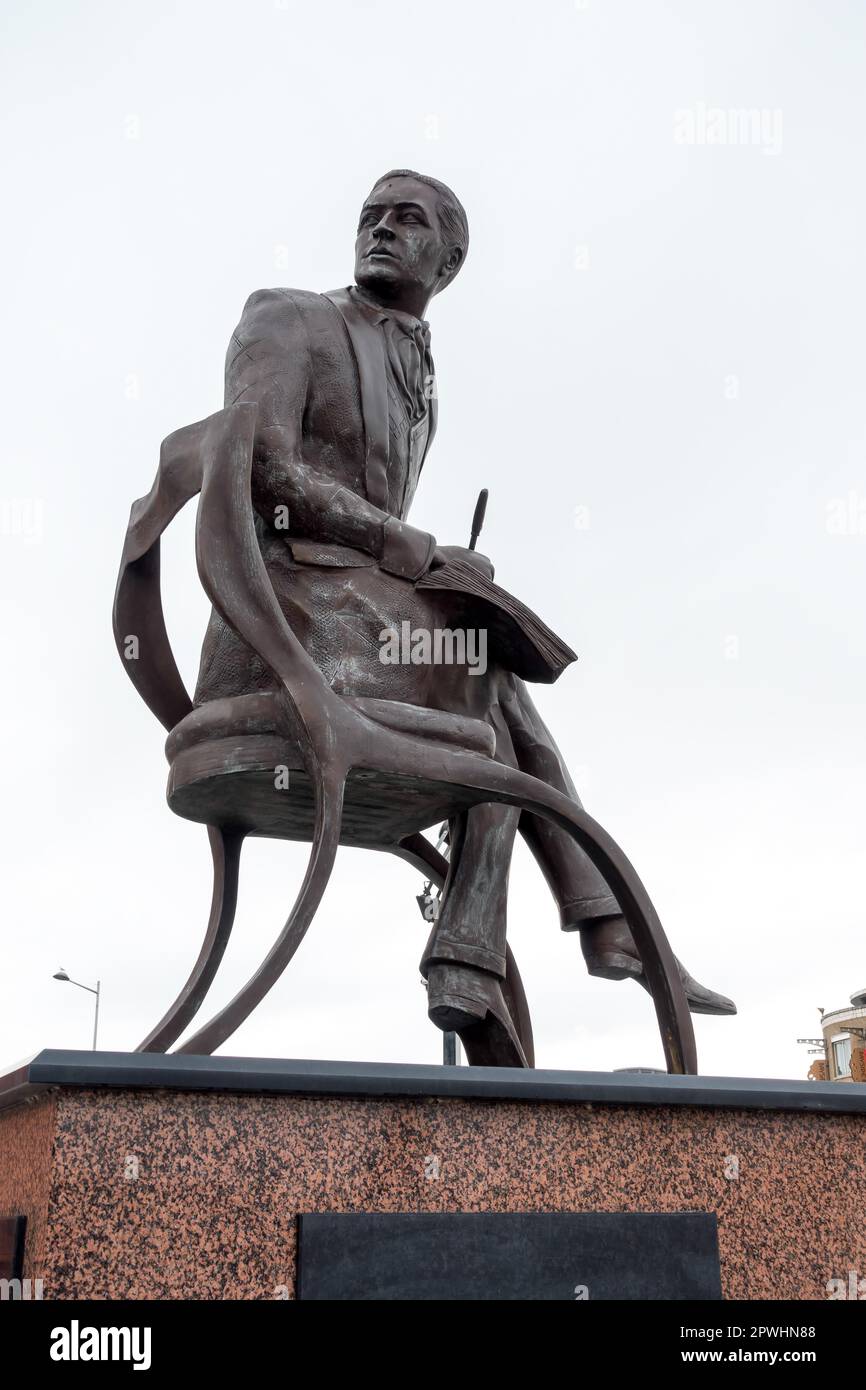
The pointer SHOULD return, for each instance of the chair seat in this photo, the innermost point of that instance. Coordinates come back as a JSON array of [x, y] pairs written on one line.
[[229, 759], [259, 713]]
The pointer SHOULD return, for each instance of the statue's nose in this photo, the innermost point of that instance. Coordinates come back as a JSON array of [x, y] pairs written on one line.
[[383, 231]]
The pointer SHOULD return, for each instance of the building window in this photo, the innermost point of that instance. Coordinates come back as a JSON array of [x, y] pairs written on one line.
[[842, 1056]]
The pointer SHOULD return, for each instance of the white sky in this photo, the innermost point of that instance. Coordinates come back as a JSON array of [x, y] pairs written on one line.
[[669, 335]]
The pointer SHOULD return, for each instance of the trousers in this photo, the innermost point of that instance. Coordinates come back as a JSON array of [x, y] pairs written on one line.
[[472, 922]]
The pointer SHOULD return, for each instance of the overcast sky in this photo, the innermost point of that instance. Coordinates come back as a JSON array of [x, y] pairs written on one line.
[[654, 360]]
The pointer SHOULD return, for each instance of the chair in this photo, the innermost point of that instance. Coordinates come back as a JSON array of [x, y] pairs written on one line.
[[364, 772]]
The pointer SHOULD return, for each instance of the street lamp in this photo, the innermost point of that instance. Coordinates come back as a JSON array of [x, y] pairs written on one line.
[[62, 975]]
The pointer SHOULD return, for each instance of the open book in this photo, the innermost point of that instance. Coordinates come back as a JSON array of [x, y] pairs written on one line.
[[517, 638]]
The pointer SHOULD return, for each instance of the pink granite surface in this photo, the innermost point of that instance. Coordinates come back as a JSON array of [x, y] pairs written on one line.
[[26, 1139], [221, 1178]]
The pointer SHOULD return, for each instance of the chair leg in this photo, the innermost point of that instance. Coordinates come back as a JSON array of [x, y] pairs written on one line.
[[326, 838], [419, 852], [492, 781], [668, 995], [518, 1006], [226, 852]]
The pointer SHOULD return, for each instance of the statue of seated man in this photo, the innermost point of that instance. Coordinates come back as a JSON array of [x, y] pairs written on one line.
[[345, 388]]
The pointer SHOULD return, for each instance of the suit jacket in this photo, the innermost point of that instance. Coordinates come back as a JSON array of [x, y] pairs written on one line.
[[342, 559], [342, 562], [315, 365]]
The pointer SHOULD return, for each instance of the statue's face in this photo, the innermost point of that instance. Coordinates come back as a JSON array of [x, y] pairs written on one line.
[[399, 249]]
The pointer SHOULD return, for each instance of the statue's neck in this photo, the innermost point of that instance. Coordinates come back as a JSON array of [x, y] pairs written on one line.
[[412, 309]]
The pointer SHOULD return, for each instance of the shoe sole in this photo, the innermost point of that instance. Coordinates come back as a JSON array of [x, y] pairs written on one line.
[[615, 966], [487, 1041]]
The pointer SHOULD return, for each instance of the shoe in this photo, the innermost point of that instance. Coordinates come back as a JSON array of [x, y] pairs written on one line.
[[610, 954], [469, 1002]]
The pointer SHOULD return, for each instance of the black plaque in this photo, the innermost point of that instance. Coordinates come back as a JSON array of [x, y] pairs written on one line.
[[12, 1230], [514, 1255]]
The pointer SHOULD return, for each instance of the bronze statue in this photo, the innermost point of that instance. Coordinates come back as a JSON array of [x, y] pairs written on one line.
[[333, 396]]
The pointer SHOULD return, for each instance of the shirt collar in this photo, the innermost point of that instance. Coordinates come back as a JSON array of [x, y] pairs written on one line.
[[377, 314]]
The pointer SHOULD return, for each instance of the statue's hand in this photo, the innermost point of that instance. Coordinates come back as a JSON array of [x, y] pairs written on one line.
[[443, 553]]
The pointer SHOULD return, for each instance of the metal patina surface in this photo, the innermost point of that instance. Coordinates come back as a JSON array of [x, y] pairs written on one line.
[[298, 729]]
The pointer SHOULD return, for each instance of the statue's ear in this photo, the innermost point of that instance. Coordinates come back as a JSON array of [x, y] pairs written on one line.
[[450, 265]]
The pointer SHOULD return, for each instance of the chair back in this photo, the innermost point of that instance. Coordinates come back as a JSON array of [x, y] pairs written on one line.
[[212, 458]]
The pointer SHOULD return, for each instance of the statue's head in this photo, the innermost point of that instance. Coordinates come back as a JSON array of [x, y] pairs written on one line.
[[412, 239]]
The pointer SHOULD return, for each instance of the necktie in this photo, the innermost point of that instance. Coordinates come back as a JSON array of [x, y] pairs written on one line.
[[409, 352]]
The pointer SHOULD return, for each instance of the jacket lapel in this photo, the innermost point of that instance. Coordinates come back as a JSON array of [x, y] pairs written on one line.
[[369, 352], [431, 430]]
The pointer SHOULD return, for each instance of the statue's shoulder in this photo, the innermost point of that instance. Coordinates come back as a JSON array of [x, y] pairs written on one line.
[[288, 302]]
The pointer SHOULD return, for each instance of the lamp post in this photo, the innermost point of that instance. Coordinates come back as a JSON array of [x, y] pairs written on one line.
[[62, 975], [428, 900]]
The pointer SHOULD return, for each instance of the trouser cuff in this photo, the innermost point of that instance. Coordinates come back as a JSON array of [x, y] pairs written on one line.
[[459, 953], [574, 915]]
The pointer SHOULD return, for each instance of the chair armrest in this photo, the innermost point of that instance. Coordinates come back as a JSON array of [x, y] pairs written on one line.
[[213, 458]]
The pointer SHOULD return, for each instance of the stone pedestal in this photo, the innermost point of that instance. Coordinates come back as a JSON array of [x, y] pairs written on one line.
[[143, 1176]]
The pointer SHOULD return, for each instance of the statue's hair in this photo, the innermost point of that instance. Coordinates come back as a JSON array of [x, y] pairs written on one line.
[[452, 214]]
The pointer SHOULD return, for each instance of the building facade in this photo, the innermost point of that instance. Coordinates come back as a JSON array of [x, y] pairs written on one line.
[[844, 1033]]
